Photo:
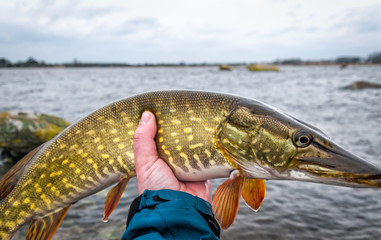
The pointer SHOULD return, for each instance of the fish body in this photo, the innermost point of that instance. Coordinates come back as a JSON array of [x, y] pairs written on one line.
[[97, 151], [201, 135]]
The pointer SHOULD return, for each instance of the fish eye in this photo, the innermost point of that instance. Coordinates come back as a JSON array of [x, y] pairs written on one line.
[[302, 138]]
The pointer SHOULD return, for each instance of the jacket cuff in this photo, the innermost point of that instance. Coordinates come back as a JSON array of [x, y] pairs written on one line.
[[150, 199]]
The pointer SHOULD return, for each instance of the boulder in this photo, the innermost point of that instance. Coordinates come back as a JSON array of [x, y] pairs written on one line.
[[22, 132], [225, 68], [361, 85], [259, 67]]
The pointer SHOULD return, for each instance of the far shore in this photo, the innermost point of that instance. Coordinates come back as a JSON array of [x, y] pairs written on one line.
[[234, 65], [342, 62]]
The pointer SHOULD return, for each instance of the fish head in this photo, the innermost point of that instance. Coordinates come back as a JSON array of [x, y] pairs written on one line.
[[263, 142]]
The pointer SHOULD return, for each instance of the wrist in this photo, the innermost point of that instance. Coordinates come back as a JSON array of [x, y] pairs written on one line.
[[170, 200]]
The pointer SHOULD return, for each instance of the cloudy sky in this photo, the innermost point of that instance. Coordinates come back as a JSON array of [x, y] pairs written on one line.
[[191, 31]]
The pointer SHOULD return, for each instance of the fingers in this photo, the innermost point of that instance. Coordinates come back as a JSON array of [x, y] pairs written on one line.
[[144, 144], [207, 193], [154, 173], [201, 189]]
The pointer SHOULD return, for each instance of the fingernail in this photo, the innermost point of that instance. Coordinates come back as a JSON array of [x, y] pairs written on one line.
[[145, 118]]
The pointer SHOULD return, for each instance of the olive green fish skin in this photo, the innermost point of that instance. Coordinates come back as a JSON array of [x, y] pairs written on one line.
[[98, 150], [200, 135]]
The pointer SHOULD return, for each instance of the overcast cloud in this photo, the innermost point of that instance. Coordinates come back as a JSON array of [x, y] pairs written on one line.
[[191, 31]]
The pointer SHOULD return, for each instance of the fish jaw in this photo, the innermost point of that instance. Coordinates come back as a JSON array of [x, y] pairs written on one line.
[[334, 166]]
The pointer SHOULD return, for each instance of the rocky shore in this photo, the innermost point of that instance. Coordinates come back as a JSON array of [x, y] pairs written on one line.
[[22, 132]]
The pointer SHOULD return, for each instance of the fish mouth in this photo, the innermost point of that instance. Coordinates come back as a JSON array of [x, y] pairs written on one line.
[[326, 175], [336, 166]]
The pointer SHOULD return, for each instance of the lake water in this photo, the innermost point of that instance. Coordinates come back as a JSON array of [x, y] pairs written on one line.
[[291, 210]]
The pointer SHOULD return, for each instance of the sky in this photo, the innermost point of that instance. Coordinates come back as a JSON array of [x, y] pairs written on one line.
[[144, 31]]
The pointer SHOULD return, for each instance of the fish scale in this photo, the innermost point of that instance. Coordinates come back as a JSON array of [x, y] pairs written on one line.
[[98, 150], [201, 135]]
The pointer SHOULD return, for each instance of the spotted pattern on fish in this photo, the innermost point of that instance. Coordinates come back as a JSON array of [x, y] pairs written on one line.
[[98, 150]]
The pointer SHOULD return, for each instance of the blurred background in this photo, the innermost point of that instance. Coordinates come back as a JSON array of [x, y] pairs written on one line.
[[189, 31], [316, 60]]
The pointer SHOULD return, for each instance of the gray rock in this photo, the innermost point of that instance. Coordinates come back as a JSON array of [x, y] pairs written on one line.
[[362, 85], [22, 132]]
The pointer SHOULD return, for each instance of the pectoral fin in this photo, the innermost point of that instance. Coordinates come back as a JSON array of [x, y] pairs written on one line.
[[226, 200], [113, 197], [44, 228], [253, 192]]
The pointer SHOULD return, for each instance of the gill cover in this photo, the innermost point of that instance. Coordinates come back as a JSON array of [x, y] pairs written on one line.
[[257, 144]]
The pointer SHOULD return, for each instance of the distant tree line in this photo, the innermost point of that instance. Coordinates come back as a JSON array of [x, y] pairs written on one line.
[[30, 62], [374, 58]]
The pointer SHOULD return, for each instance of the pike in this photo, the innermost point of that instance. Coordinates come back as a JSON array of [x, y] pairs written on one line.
[[201, 135]]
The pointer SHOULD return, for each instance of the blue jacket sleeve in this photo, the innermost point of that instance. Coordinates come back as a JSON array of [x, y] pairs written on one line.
[[167, 214]]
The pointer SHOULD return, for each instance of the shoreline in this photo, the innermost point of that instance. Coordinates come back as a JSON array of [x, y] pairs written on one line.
[[117, 65]]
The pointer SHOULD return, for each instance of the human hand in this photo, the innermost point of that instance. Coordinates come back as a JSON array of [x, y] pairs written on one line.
[[152, 172]]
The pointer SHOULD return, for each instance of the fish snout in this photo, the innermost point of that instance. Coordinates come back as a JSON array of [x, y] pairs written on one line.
[[334, 165]]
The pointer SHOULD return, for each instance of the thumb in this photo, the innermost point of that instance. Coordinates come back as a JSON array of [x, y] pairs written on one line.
[[144, 145]]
